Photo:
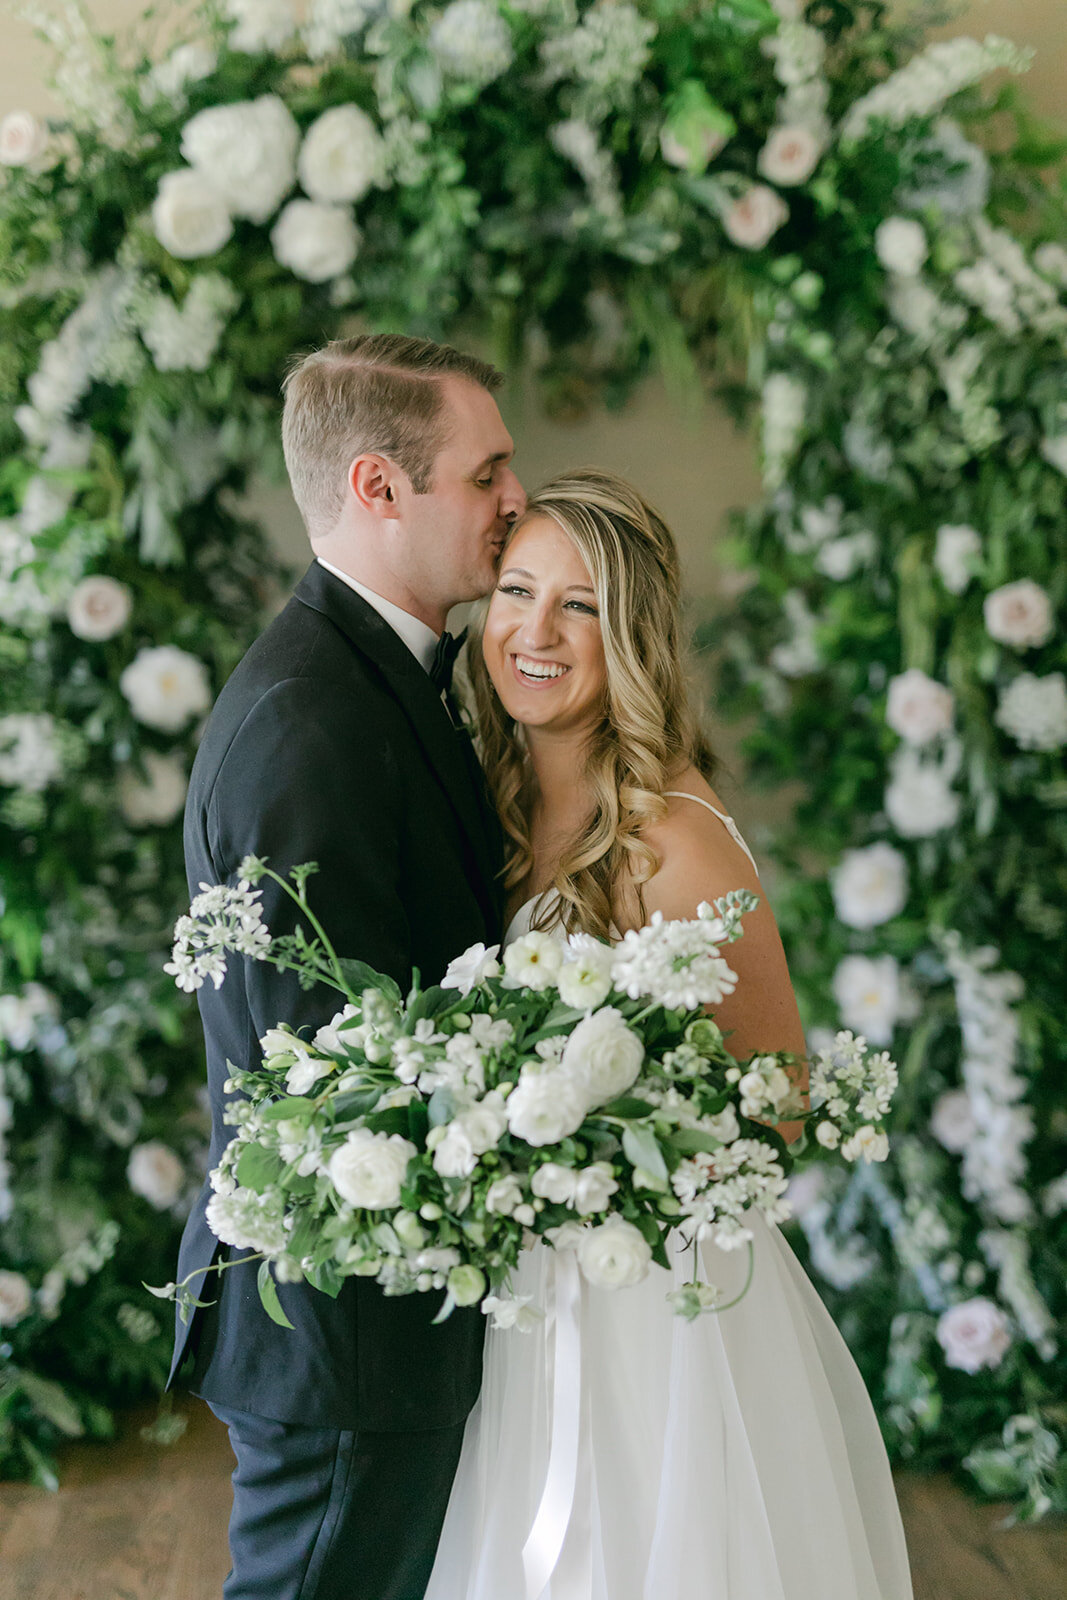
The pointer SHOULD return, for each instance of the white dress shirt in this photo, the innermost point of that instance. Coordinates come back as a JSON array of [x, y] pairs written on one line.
[[418, 636]]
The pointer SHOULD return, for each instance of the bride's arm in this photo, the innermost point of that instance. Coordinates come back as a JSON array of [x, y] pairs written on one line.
[[700, 861]]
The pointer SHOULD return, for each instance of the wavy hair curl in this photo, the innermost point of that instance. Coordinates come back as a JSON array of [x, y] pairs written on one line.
[[648, 730]]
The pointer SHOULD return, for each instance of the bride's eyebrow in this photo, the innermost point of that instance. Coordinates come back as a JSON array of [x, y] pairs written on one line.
[[521, 572]]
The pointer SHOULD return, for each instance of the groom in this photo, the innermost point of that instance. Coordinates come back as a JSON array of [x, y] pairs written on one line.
[[335, 742]]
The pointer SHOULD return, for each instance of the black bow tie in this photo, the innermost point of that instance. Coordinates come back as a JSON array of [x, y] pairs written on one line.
[[444, 660]]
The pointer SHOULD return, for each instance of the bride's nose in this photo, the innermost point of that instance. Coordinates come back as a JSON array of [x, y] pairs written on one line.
[[540, 629]]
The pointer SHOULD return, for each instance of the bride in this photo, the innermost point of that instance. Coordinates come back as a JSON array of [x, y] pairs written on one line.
[[617, 1451]]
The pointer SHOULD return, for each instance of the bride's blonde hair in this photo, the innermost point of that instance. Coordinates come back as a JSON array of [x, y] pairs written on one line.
[[648, 731]]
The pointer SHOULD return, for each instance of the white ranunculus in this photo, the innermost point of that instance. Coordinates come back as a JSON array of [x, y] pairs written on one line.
[[604, 1055], [790, 155], [369, 1168], [16, 1298], [23, 137], [1019, 614], [260, 26], [593, 1188], [755, 217], [472, 41], [165, 687], [99, 608], [870, 886], [485, 1123], [1033, 711], [454, 1155], [247, 149], [342, 155], [534, 960], [585, 978], [471, 968], [29, 755], [554, 1183], [919, 800], [952, 1120], [901, 246], [156, 1173], [868, 994], [545, 1107], [867, 1142], [190, 218], [614, 1255], [956, 555], [156, 797], [504, 1195], [918, 708], [973, 1335], [316, 242]]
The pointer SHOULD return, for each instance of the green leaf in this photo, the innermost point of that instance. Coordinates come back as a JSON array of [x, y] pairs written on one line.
[[359, 976], [268, 1294], [292, 1106], [393, 1120], [326, 1279], [258, 1168], [628, 1106], [53, 1403], [642, 1150], [686, 1140]]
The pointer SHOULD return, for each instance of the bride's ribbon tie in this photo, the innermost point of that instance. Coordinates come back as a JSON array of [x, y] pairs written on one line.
[[541, 1552]]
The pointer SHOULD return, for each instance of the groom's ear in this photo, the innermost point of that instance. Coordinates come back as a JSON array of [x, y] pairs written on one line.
[[373, 482]]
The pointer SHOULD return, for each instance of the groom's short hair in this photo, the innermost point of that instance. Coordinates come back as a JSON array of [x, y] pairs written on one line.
[[379, 393]]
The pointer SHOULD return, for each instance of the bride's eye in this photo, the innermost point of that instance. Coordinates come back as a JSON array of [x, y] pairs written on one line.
[[590, 611], [511, 588]]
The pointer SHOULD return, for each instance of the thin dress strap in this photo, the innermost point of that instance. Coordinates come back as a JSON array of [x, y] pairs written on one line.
[[731, 826]]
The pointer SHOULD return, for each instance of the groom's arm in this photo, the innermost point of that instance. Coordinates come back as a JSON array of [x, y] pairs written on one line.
[[312, 777]]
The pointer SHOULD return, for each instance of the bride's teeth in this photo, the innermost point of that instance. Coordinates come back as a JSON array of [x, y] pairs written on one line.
[[538, 669]]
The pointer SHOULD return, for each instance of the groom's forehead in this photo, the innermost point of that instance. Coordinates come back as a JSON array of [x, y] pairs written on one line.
[[477, 426]]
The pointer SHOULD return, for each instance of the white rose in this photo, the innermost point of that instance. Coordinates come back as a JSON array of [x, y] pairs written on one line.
[[593, 1188], [868, 1142], [453, 1153], [342, 155], [15, 1298], [956, 555], [248, 151], [952, 1120], [870, 886], [261, 26], [369, 1168], [614, 1255], [189, 216], [900, 245], [973, 1335], [534, 960], [755, 217], [504, 1195], [603, 1054], [868, 995], [1019, 614], [1033, 710], [919, 801], [471, 968], [22, 138], [554, 1183], [99, 608], [790, 155], [918, 708], [484, 1123], [316, 242], [545, 1107], [156, 1173], [584, 980], [157, 797], [165, 687]]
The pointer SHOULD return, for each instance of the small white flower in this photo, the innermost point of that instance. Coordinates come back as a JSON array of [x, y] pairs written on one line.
[[485, 1123], [247, 150], [1019, 614], [828, 1135], [952, 1121], [585, 978], [342, 155], [516, 1312], [166, 687], [755, 217], [867, 1142], [723, 1125], [305, 1071], [790, 155], [545, 1107], [334, 1036], [155, 798], [919, 708], [22, 139], [614, 1255], [1033, 711], [974, 1334], [504, 1195], [316, 242], [956, 555], [156, 1173], [901, 246], [870, 886], [16, 1297], [534, 960], [554, 1183], [472, 968], [189, 215], [369, 1168], [603, 1055], [98, 608]]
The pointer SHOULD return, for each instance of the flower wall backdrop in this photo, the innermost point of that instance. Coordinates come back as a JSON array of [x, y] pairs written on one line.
[[785, 204]]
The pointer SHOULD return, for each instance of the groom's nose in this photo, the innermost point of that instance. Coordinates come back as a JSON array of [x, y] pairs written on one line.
[[512, 496]]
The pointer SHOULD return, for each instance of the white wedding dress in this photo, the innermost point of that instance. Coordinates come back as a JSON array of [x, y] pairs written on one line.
[[618, 1452]]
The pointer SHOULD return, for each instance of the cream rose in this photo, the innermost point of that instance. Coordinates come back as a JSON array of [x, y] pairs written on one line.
[[247, 149], [614, 1255], [156, 1173], [1019, 614], [316, 242], [342, 155], [545, 1107], [369, 1168], [99, 608], [453, 1153], [157, 797], [189, 216], [790, 155], [973, 1335], [870, 886], [755, 217], [603, 1054], [165, 687], [22, 138], [918, 708]]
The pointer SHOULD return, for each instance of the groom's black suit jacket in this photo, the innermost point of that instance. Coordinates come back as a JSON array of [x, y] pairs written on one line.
[[330, 744]]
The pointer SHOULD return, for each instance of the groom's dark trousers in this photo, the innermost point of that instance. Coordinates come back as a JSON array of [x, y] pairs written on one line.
[[330, 744]]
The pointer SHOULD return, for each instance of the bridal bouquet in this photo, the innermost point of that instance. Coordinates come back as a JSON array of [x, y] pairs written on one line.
[[573, 1091]]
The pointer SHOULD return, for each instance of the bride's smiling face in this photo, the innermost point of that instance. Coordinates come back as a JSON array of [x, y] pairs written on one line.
[[542, 642]]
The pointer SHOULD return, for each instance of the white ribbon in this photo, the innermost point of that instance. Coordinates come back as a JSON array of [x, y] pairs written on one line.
[[541, 1552]]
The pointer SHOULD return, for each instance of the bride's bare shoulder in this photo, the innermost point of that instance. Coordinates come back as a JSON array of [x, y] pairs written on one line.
[[698, 858]]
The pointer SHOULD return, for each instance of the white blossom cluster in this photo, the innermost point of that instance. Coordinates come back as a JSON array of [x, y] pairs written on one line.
[[1008, 1251], [222, 919], [30, 753], [24, 603], [782, 416], [919, 798], [577, 141], [678, 963], [602, 58], [1001, 283], [802, 129], [471, 41], [715, 1190], [330, 22], [83, 80], [958, 185], [184, 338], [260, 25], [799, 654], [846, 1076], [79, 352], [928, 81]]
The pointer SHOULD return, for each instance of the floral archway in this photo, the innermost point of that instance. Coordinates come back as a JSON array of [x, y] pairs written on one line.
[[776, 201]]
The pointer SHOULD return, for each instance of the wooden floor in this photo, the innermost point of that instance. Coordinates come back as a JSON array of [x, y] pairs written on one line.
[[139, 1521]]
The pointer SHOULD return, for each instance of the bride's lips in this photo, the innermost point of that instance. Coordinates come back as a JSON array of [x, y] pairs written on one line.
[[537, 683]]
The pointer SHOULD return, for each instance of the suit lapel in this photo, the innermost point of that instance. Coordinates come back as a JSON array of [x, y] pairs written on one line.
[[455, 767]]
